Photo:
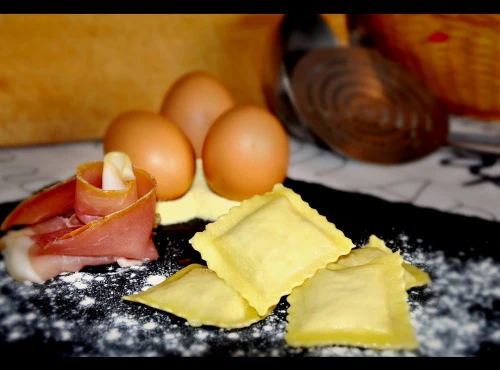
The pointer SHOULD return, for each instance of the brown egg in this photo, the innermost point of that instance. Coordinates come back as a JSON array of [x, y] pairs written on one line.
[[246, 152], [156, 145], [193, 102]]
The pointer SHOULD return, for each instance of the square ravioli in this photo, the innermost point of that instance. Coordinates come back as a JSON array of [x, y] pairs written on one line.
[[196, 294], [268, 245], [364, 306], [413, 276]]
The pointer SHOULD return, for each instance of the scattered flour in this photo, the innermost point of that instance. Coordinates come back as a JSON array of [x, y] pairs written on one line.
[[150, 325], [155, 280], [113, 334], [87, 301], [80, 285], [456, 315]]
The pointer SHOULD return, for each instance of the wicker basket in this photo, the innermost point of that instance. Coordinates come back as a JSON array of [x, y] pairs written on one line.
[[457, 56]]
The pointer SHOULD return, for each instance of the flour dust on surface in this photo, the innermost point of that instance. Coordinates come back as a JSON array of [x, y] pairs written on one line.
[[83, 314]]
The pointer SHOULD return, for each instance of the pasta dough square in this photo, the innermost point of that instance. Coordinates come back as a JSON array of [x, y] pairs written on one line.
[[196, 294], [364, 306], [413, 276], [269, 244]]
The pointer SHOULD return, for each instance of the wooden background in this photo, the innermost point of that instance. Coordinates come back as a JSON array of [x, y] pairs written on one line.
[[64, 77]]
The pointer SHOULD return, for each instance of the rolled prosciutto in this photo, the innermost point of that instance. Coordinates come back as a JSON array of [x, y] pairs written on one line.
[[102, 215]]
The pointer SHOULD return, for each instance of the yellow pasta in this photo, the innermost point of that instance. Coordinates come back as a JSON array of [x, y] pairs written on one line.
[[363, 305], [196, 294], [268, 245], [199, 202], [276, 245], [413, 276]]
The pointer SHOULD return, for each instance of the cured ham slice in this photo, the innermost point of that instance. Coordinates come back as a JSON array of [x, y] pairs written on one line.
[[83, 221], [50, 202], [92, 201]]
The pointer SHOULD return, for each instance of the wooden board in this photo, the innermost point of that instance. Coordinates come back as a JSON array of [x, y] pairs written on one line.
[[64, 77]]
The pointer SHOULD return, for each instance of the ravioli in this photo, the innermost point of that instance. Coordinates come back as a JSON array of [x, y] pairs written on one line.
[[196, 294], [268, 245], [413, 276], [363, 305]]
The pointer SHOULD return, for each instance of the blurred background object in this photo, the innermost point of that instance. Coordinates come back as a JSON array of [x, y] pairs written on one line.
[[63, 77], [367, 107], [350, 98], [456, 55], [359, 101]]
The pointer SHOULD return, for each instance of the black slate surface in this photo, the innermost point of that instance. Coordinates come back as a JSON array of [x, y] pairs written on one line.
[[459, 238]]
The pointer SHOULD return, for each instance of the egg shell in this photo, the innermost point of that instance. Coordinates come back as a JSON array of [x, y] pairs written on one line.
[[193, 103], [246, 152], [156, 145]]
